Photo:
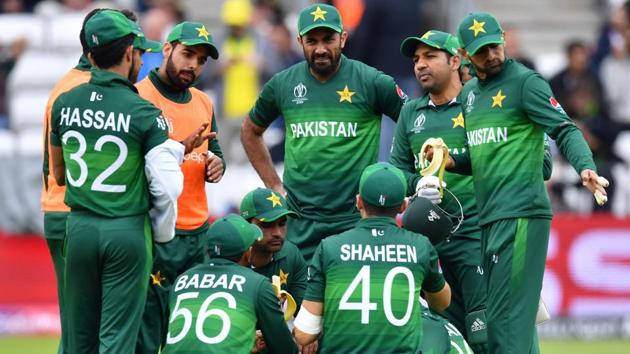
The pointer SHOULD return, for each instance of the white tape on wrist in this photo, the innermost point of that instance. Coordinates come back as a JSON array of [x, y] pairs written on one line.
[[308, 322]]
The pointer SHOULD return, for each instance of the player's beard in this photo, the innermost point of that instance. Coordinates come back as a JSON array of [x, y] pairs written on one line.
[[133, 71], [324, 69], [173, 75], [492, 68]]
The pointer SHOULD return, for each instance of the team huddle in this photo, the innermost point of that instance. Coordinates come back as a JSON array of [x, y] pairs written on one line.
[[315, 262]]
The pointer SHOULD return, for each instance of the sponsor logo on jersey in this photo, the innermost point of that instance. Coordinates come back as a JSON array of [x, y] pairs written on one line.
[[487, 135], [469, 101], [299, 92], [198, 157], [477, 325], [324, 128], [556, 105], [418, 124]]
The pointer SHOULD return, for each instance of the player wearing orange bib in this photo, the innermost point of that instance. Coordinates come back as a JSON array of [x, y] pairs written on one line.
[[185, 108]]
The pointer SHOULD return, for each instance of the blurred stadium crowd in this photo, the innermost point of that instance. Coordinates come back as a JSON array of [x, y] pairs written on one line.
[[39, 43]]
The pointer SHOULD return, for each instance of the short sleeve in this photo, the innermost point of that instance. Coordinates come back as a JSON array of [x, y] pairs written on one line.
[[316, 277], [389, 97], [55, 138], [156, 130], [401, 155], [433, 280], [266, 109]]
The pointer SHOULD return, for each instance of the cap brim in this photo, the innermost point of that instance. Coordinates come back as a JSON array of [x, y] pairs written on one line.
[[473, 47], [275, 214], [147, 45], [214, 52], [319, 25]]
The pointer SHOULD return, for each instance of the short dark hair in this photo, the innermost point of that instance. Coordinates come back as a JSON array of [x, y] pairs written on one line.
[[573, 45], [111, 54], [374, 210]]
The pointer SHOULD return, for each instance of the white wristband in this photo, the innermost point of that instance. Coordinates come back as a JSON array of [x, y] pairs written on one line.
[[307, 322]]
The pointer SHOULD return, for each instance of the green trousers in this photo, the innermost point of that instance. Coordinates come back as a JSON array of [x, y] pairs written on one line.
[[306, 234], [514, 255], [54, 231], [171, 259], [107, 266], [460, 259]]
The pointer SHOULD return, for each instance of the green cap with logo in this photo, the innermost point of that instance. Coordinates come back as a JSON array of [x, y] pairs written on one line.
[[479, 29], [231, 236], [383, 185], [435, 39], [149, 46], [265, 205], [107, 26], [423, 217], [193, 33], [319, 15]]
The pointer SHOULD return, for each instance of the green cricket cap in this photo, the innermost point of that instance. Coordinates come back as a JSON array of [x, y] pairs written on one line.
[[383, 185], [265, 205], [479, 29], [434, 39], [107, 26], [423, 217], [231, 236], [319, 15], [193, 33]]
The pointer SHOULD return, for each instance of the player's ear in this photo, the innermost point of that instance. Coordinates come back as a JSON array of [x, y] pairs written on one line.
[[456, 62], [403, 206], [344, 38], [299, 40], [166, 49], [91, 59], [129, 54], [359, 202]]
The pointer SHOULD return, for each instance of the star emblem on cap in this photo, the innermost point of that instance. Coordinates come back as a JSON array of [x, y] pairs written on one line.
[[274, 199], [202, 32], [345, 95], [477, 27], [458, 121], [427, 35], [497, 100], [318, 14], [156, 278], [283, 277]]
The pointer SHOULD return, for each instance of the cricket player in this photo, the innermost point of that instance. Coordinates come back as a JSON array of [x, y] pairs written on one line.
[[440, 336], [272, 255], [111, 149], [169, 87], [216, 306], [332, 107], [364, 284], [507, 109]]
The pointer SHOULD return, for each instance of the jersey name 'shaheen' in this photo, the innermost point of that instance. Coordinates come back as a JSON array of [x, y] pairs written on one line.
[[487, 135], [324, 128], [379, 253], [95, 119], [208, 281]]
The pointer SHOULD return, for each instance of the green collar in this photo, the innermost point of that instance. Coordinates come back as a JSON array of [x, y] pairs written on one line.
[[83, 64], [108, 78], [425, 102], [376, 221], [168, 91], [220, 261]]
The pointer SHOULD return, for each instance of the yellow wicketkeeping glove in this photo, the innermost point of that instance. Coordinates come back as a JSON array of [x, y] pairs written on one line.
[[286, 300]]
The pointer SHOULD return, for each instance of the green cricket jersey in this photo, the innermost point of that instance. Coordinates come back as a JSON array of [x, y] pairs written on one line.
[[333, 131], [105, 129], [290, 266], [506, 117], [420, 120], [216, 307], [369, 280], [441, 336]]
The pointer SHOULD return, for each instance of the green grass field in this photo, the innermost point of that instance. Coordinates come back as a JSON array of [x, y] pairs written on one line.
[[48, 345]]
